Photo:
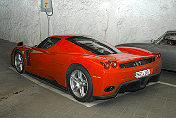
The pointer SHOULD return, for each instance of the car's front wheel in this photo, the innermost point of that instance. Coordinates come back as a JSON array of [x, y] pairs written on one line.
[[80, 83], [19, 62]]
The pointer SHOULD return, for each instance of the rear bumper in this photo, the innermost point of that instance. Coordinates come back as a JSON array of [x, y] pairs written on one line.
[[129, 86]]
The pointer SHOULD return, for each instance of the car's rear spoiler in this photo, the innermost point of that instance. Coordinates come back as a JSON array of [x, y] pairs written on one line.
[[20, 44]]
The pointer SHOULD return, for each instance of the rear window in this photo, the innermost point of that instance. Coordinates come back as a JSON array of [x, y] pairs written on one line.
[[94, 46]]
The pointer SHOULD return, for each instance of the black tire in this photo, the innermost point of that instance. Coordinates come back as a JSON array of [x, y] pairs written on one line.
[[18, 53], [155, 78], [88, 96]]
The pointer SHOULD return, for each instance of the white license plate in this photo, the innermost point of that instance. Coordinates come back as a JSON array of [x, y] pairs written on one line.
[[142, 73]]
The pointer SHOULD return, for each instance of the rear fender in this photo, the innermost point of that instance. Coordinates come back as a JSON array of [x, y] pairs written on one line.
[[61, 62]]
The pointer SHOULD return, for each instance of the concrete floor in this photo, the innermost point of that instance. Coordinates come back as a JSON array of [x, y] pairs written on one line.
[[21, 98]]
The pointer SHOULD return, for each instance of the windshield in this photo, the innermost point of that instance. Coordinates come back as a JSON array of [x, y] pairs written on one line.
[[94, 46]]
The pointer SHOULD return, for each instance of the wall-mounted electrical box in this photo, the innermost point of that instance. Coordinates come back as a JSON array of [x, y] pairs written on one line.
[[46, 6]]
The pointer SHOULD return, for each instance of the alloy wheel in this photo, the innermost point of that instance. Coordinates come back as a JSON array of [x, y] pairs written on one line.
[[19, 62], [79, 83]]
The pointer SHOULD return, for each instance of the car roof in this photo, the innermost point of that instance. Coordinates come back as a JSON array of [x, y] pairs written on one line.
[[65, 36]]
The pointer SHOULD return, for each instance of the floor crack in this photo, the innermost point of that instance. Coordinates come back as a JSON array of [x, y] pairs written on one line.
[[17, 92], [7, 96]]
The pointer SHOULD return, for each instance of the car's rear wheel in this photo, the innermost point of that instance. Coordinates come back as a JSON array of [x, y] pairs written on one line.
[[80, 83], [19, 62]]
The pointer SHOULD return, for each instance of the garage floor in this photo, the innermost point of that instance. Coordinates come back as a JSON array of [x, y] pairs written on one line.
[[22, 98]]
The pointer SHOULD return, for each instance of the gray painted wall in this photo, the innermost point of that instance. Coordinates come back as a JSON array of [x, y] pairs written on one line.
[[116, 21]]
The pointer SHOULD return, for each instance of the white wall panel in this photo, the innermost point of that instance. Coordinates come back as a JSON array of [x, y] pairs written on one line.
[[20, 20], [116, 21]]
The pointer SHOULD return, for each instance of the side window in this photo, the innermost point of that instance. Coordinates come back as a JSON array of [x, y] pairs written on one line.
[[42, 43], [48, 42]]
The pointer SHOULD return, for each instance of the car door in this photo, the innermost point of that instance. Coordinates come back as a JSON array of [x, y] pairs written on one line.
[[41, 56]]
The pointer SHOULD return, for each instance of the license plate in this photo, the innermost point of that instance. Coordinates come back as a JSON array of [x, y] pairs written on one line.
[[142, 73]]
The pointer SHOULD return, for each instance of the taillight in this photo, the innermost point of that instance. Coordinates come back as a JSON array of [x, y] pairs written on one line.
[[105, 64], [113, 64], [109, 63], [158, 55]]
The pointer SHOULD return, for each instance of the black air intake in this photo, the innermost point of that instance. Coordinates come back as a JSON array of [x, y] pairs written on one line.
[[137, 63]]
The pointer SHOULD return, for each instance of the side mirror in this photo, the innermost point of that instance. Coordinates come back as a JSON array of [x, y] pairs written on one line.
[[20, 44]]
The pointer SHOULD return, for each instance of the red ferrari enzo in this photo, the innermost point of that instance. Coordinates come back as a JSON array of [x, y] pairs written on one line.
[[88, 68]]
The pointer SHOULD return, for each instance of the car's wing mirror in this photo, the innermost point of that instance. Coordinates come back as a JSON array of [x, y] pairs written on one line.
[[20, 43]]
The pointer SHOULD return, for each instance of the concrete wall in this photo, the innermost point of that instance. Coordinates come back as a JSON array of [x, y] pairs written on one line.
[[20, 20], [116, 21]]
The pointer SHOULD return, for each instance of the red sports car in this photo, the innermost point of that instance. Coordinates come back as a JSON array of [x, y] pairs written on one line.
[[89, 68]]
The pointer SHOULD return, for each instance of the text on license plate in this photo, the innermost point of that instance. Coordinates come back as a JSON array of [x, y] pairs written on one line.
[[142, 73]]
